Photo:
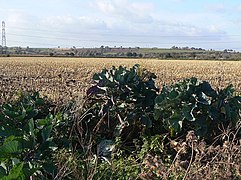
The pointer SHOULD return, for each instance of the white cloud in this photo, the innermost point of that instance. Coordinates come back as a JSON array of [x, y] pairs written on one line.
[[72, 23], [16, 17], [105, 6], [239, 7], [125, 9], [178, 1], [217, 8]]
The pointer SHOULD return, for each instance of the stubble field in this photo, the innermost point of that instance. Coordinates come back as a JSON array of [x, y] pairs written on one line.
[[63, 79]]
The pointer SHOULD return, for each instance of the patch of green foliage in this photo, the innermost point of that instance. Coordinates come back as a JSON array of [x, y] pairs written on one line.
[[28, 137], [121, 103], [195, 105]]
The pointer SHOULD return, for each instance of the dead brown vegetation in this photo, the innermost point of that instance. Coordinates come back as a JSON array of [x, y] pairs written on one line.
[[63, 79]]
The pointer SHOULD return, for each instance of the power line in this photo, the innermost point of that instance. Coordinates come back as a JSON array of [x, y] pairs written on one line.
[[99, 38], [114, 41], [124, 35], [27, 42], [64, 45]]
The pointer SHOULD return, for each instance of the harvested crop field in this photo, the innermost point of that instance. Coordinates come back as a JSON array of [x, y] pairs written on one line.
[[62, 79]]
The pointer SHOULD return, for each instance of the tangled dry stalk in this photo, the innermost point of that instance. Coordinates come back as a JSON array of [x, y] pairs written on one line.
[[196, 160]]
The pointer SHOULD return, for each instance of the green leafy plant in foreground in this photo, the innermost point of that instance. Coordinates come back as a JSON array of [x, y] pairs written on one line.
[[26, 137], [195, 105], [121, 102]]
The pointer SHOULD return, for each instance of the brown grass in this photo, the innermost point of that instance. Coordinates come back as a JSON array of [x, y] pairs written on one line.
[[62, 79], [196, 160]]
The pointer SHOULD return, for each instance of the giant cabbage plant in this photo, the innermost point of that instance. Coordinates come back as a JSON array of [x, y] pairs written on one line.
[[194, 105], [121, 102]]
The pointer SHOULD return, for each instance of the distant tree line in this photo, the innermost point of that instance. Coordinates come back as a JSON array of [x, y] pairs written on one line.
[[128, 52]]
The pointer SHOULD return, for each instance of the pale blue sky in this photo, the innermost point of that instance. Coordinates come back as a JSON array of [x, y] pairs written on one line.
[[155, 23]]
